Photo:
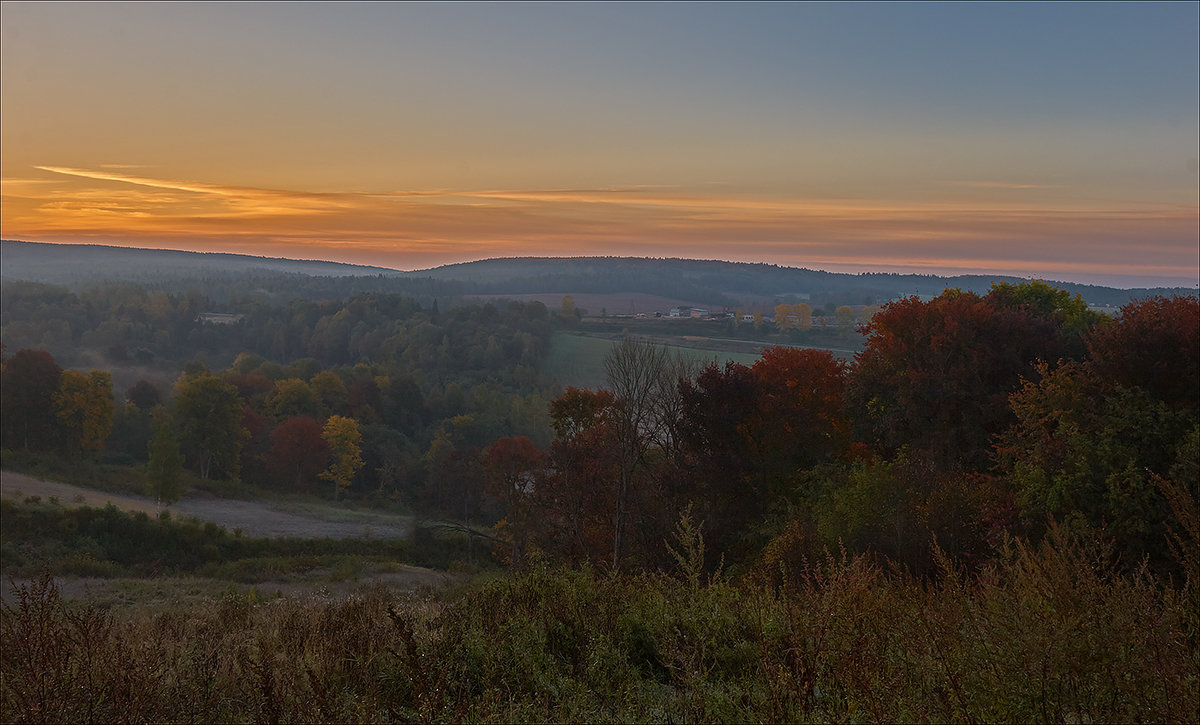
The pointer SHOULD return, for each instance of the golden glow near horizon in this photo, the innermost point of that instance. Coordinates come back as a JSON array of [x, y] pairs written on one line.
[[409, 136], [440, 226]]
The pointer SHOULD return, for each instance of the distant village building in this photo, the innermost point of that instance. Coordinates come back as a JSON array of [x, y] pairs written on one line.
[[698, 312], [219, 318]]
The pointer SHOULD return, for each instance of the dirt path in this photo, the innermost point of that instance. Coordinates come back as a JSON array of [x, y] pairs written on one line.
[[252, 517]]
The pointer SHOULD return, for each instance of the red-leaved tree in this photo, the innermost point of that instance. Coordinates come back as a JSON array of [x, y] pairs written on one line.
[[1154, 345], [935, 376], [298, 452]]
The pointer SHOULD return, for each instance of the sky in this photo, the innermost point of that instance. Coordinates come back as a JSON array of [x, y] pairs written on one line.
[[1056, 141]]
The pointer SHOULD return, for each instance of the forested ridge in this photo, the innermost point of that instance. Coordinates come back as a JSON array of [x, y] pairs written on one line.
[[989, 463], [226, 277]]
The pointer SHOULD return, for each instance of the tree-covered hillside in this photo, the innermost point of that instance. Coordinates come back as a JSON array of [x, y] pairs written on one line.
[[726, 283], [230, 276]]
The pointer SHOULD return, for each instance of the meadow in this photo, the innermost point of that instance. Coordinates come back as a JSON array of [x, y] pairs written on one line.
[[1052, 633], [578, 360]]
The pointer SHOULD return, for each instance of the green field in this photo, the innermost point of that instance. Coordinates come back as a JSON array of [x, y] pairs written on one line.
[[579, 361]]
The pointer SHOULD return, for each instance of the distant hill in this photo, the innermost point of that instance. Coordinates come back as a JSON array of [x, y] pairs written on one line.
[[729, 283], [703, 281], [68, 264]]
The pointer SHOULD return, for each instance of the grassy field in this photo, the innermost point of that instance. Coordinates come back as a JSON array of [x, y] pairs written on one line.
[[578, 360], [1051, 635]]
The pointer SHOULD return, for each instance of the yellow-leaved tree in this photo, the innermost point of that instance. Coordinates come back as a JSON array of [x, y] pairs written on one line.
[[84, 406], [793, 317], [845, 315], [345, 450]]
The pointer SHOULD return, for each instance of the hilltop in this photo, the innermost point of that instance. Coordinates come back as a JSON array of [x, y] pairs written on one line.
[[72, 263], [701, 281]]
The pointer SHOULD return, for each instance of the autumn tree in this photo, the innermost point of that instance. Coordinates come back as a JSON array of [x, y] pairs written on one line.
[[364, 399], [299, 451], [143, 394], [935, 376], [1153, 345], [208, 413], [454, 482], [1094, 442], [644, 381], [252, 387], [845, 315], [716, 469], [793, 317], [330, 391], [1087, 450], [165, 464], [512, 470], [345, 447], [1068, 314], [83, 405], [29, 380], [751, 434], [293, 397], [509, 465], [576, 500], [800, 409], [902, 509]]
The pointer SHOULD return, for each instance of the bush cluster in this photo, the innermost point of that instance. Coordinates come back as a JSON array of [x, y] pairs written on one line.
[[1051, 634], [86, 541]]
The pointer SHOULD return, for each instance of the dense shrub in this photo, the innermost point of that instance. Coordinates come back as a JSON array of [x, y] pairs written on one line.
[[107, 541], [1050, 634]]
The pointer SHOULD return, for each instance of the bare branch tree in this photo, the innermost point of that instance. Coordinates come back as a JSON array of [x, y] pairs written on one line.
[[644, 380]]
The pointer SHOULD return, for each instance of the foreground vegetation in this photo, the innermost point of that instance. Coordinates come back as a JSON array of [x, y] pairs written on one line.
[[1009, 481], [1052, 634], [84, 541]]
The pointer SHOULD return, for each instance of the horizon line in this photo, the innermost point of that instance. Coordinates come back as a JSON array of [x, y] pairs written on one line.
[[1028, 276]]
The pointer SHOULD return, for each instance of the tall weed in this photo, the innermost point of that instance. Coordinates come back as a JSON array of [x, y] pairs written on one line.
[[1053, 633]]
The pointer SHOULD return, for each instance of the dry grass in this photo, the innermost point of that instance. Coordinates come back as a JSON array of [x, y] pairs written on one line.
[[1053, 634]]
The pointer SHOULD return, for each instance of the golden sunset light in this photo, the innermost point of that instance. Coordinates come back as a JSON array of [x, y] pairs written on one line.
[[509, 361], [427, 139]]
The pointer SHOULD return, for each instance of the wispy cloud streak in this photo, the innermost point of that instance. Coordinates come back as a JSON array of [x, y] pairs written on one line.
[[423, 227]]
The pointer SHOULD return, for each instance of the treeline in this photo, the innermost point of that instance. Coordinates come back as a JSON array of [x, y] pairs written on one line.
[[162, 322], [377, 396], [964, 421], [718, 283]]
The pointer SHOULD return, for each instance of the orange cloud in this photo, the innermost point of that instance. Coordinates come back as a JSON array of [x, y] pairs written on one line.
[[1004, 185], [420, 228]]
